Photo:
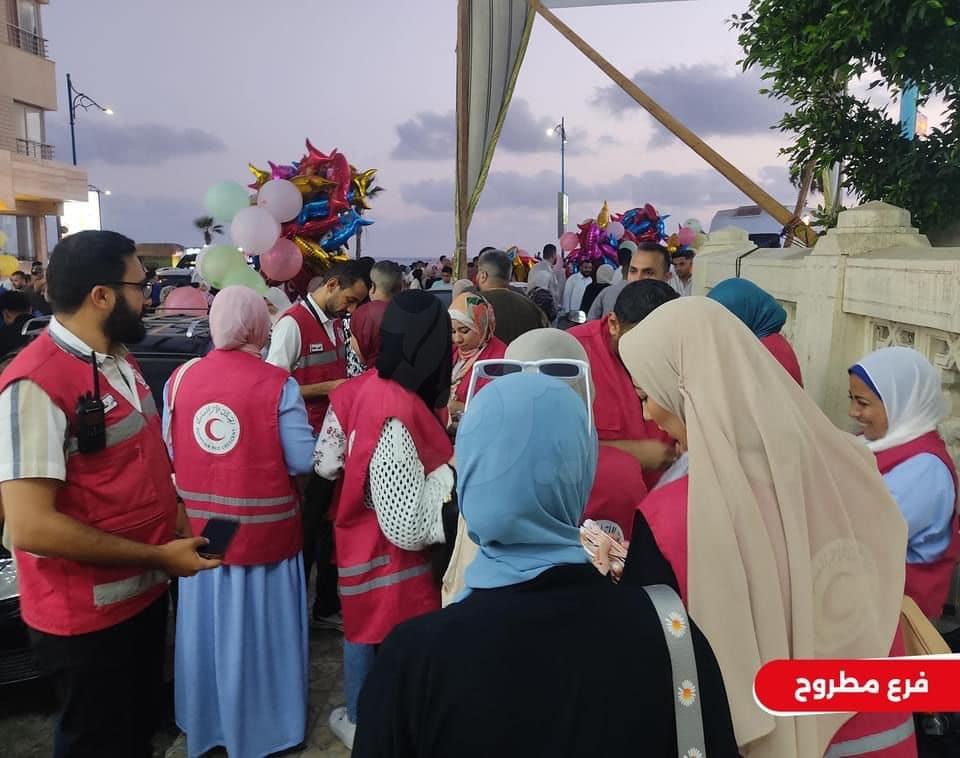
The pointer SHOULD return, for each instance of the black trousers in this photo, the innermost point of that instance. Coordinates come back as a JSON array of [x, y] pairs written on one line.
[[318, 544], [110, 685]]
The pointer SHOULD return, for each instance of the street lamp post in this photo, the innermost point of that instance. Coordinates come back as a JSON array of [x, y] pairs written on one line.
[[76, 100], [560, 129]]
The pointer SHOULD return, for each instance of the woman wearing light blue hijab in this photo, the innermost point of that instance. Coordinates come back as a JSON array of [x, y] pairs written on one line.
[[542, 655]]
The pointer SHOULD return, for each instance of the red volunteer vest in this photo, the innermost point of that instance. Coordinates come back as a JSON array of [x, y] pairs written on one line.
[[617, 411], [889, 734], [380, 584], [495, 349], [124, 489], [228, 457], [320, 359], [783, 351], [618, 488], [928, 583]]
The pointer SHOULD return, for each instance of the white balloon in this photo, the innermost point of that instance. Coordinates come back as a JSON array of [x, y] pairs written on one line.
[[254, 230], [281, 198]]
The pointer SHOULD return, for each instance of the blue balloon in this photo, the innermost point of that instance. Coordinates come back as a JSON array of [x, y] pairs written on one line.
[[350, 221], [315, 209]]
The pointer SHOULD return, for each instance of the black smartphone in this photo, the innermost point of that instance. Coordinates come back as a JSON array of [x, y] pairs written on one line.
[[219, 532]]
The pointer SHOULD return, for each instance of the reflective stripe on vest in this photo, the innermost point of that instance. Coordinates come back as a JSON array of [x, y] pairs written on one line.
[[123, 430], [318, 359], [872, 743], [267, 518], [125, 589], [236, 502], [383, 581], [148, 405], [363, 568]]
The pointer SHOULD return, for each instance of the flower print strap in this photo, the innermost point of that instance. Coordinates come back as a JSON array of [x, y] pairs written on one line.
[[686, 694]]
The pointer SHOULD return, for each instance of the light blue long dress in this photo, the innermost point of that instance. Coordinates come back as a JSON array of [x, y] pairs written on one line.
[[242, 650]]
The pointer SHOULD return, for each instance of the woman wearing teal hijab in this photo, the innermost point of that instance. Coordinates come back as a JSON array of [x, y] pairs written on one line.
[[763, 316], [542, 655]]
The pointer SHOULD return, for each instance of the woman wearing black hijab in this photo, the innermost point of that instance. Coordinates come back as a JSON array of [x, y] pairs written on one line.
[[382, 437]]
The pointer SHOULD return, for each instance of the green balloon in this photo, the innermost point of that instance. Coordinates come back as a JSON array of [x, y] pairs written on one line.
[[225, 199], [245, 277], [217, 261]]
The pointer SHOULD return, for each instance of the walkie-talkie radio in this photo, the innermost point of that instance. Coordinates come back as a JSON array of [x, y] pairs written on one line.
[[91, 425]]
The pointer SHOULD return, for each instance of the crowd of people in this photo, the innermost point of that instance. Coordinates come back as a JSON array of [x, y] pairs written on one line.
[[443, 474]]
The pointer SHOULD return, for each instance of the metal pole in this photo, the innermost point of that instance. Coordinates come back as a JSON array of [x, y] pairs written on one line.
[[563, 158], [73, 119]]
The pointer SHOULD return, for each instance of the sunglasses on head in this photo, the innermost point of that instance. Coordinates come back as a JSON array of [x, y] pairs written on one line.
[[573, 372]]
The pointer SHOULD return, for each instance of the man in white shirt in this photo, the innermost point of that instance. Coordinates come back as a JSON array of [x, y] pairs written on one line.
[[606, 300], [551, 264], [681, 277], [575, 287], [88, 487], [308, 341]]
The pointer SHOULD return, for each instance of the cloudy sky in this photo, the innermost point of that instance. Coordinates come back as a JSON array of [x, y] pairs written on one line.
[[201, 88]]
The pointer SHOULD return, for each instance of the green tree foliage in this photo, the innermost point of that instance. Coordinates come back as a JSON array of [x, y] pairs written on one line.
[[808, 51]]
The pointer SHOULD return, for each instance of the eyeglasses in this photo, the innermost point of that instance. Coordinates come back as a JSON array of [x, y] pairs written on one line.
[[572, 372], [144, 286]]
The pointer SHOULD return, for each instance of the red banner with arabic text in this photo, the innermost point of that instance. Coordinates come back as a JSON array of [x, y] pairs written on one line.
[[926, 685]]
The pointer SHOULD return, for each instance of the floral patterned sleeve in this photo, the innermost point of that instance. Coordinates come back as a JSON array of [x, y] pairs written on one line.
[[331, 449]]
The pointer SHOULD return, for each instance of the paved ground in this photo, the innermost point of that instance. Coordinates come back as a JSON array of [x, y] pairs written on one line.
[[27, 712]]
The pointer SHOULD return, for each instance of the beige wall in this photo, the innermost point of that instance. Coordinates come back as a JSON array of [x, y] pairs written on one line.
[[872, 282], [30, 186]]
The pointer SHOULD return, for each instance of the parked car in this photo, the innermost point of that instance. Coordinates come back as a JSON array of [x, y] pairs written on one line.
[[170, 342]]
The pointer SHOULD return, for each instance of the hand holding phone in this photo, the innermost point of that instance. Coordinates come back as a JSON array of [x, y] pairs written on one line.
[[218, 532]]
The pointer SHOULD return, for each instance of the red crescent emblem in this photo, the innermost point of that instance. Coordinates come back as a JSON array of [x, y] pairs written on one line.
[[208, 430]]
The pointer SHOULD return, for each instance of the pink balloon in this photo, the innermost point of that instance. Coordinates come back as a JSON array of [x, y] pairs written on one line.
[[568, 241], [281, 262], [686, 235], [615, 229], [187, 301]]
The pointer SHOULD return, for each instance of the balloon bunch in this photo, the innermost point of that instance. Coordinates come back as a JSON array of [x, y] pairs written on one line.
[[689, 236], [645, 224], [333, 196], [522, 263], [598, 239]]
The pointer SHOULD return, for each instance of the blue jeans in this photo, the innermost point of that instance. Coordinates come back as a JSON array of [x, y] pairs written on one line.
[[357, 662]]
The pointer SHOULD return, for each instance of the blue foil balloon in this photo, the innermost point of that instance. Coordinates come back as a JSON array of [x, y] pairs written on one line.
[[350, 222], [315, 209]]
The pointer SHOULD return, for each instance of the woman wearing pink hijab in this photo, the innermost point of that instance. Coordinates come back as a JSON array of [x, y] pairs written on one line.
[[238, 433]]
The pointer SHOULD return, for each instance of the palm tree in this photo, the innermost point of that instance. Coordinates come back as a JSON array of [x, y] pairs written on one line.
[[209, 227]]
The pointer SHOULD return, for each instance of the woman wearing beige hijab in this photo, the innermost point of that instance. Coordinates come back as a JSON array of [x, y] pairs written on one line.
[[782, 539]]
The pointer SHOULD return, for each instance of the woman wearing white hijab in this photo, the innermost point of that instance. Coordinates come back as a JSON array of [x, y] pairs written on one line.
[[783, 539], [897, 401]]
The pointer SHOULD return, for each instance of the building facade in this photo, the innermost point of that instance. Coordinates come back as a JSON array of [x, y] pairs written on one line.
[[33, 183]]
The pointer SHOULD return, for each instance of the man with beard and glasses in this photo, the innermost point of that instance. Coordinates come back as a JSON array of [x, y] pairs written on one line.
[[309, 342], [93, 516]]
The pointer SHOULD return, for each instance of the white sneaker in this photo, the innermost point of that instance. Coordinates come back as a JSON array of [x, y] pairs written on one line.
[[342, 726]]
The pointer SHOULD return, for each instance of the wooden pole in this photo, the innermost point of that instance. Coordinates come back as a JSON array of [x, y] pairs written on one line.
[[463, 136], [806, 180], [746, 185]]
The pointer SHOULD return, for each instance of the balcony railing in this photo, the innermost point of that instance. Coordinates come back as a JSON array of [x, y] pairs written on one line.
[[28, 41], [35, 149]]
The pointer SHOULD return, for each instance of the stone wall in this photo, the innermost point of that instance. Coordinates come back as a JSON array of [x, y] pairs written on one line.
[[873, 281]]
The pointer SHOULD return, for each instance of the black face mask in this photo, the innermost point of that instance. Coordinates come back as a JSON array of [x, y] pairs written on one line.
[[124, 325]]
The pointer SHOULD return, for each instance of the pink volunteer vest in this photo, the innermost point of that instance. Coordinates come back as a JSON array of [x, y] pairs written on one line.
[[124, 489], [928, 583], [380, 584], [228, 457], [320, 359]]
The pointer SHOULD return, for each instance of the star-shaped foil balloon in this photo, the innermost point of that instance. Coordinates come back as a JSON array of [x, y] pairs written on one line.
[[314, 160], [361, 185], [260, 177]]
